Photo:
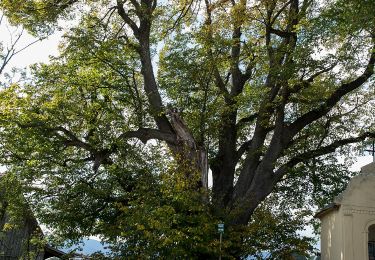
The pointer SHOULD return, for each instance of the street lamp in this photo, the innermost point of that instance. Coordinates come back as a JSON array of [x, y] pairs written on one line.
[[220, 229]]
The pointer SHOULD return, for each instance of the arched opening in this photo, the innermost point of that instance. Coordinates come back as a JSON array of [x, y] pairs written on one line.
[[371, 242]]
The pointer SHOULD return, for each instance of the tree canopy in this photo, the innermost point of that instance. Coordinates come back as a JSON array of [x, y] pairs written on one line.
[[116, 136]]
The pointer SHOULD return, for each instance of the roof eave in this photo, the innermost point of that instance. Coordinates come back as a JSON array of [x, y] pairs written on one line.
[[327, 209]]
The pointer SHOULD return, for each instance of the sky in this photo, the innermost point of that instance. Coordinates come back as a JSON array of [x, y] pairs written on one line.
[[37, 52]]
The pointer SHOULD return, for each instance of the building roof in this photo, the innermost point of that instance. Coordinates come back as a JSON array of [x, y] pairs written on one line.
[[50, 251], [367, 170], [327, 209]]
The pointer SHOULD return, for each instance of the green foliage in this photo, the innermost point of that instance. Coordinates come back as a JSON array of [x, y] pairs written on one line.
[[12, 202], [67, 134], [272, 233], [34, 14], [169, 220]]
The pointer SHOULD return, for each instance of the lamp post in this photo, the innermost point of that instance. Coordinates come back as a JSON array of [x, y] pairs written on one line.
[[372, 151], [220, 229]]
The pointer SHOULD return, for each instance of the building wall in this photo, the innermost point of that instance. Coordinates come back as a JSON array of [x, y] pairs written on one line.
[[344, 231], [357, 234], [331, 235], [15, 242]]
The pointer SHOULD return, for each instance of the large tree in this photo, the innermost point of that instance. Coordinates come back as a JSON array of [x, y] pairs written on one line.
[[249, 90]]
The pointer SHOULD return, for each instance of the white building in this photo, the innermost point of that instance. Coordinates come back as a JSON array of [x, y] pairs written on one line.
[[348, 224]]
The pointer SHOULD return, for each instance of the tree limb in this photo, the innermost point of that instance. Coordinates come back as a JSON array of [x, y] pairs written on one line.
[[335, 97], [242, 149], [283, 34], [248, 119], [121, 11], [218, 79], [146, 134], [272, 21], [319, 152]]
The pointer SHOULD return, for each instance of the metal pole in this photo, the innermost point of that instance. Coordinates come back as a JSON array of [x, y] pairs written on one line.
[[372, 151], [221, 234]]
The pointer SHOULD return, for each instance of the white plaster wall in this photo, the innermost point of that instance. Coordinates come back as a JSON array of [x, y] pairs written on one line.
[[362, 219], [331, 234], [344, 232]]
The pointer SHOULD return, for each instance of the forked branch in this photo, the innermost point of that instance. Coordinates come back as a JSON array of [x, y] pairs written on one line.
[[319, 152]]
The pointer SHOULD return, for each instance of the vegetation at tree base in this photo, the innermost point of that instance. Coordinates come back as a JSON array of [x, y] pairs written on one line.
[[116, 136]]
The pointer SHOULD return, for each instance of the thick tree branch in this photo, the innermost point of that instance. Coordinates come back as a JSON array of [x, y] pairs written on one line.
[[242, 149], [273, 19], [319, 152], [237, 77], [254, 168], [306, 83], [219, 82], [334, 98], [182, 13], [248, 119], [136, 5], [142, 33], [146, 134], [283, 34], [98, 156], [225, 161], [121, 11], [320, 72], [72, 137]]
